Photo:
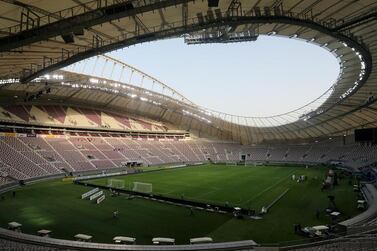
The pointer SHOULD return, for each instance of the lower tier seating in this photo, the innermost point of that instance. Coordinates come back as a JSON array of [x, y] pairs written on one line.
[[28, 157]]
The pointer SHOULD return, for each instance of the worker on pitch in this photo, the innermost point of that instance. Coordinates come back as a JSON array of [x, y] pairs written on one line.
[[191, 211], [317, 213]]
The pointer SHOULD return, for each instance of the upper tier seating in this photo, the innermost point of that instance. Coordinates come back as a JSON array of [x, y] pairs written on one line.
[[75, 116]]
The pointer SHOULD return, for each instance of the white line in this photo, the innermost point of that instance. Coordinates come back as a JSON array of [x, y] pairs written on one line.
[[268, 188]]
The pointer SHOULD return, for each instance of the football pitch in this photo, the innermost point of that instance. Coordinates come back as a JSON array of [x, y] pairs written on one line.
[[56, 205]]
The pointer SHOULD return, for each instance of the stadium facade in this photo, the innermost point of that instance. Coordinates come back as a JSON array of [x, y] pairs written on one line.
[[54, 95]]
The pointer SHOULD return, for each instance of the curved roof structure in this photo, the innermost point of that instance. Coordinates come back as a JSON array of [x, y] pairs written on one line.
[[37, 40]]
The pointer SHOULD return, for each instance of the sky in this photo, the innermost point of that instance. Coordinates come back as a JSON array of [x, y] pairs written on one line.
[[271, 76]]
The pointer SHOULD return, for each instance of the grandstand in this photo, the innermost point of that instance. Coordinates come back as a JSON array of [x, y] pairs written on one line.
[[49, 154], [101, 128]]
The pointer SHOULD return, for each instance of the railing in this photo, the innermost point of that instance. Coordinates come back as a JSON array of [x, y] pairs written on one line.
[[48, 243]]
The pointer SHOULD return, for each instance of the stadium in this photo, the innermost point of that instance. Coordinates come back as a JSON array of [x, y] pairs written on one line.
[[96, 154]]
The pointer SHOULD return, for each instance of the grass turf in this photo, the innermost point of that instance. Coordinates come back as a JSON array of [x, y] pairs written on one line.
[[57, 206]]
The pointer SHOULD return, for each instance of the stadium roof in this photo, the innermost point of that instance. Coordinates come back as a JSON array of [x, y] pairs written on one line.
[[38, 38]]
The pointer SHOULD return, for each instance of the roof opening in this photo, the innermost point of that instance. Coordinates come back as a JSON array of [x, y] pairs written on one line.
[[270, 76]]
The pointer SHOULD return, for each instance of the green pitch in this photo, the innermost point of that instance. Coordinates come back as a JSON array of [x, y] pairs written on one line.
[[56, 205]]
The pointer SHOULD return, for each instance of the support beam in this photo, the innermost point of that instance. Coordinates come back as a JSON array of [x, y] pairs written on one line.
[[27, 6], [82, 21], [9, 19], [163, 20], [356, 21], [139, 24], [88, 8], [235, 9], [176, 31], [53, 15], [184, 14]]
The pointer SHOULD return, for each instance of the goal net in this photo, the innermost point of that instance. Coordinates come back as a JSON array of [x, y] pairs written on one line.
[[142, 187], [253, 163], [231, 163], [115, 183]]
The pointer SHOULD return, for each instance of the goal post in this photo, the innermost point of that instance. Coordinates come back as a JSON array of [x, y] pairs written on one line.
[[115, 183], [142, 187], [231, 163]]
